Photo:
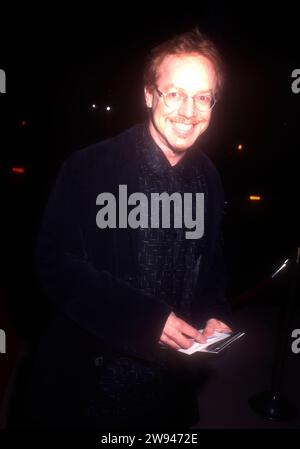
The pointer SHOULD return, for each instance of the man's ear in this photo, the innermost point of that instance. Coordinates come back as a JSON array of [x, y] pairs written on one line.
[[148, 97]]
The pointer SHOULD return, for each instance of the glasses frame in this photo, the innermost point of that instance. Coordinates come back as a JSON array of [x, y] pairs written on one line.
[[163, 96]]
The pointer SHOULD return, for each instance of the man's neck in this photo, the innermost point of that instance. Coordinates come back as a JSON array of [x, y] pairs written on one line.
[[173, 157]]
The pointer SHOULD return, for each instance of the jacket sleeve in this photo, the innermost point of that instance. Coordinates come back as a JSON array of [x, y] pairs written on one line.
[[120, 316]]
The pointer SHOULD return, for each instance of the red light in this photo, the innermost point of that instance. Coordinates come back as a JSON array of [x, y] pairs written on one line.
[[18, 170], [24, 122]]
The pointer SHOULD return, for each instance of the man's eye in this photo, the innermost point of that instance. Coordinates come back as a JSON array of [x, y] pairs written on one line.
[[203, 99], [174, 95]]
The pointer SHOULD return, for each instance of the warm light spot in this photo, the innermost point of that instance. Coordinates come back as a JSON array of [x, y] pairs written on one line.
[[254, 197], [240, 147], [108, 108], [19, 170], [24, 122]]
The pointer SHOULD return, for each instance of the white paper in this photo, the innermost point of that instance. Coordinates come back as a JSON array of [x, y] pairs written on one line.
[[201, 347]]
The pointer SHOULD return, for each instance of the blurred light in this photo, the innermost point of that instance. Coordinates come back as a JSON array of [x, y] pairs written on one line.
[[24, 122], [240, 147], [254, 197], [280, 268], [108, 108], [94, 106], [18, 170]]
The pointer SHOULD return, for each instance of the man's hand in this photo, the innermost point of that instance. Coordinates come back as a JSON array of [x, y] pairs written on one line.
[[178, 334], [213, 326]]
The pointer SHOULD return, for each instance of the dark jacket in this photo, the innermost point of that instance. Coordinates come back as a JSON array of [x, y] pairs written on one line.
[[82, 267]]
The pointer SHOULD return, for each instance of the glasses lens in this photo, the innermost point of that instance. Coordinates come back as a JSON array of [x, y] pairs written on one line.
[[174, 99], [204, 102]]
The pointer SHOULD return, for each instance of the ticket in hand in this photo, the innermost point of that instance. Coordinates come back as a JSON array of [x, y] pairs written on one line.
[[215, 343]]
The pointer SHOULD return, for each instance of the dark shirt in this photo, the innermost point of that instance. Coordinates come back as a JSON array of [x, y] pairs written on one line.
[[168, 262]]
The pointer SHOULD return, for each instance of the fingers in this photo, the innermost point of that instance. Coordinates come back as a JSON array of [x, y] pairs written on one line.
[[187, 329], [167, 341], [201, 338], [179, 334], [209, 331], [213, 326], [225, 329], [178, 338]]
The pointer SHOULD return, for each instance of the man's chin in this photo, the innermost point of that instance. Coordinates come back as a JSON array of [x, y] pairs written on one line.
[[180, 143], [181, 147]]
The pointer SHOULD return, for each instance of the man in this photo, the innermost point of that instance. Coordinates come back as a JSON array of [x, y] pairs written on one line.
[[125, 293]]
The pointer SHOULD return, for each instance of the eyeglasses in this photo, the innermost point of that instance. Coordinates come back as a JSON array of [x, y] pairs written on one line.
[[174, 99]]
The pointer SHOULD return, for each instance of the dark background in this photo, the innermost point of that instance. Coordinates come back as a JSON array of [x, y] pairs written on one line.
[[57, 65]]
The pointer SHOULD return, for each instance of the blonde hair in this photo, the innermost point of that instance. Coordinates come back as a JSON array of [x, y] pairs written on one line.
[[186, 43]]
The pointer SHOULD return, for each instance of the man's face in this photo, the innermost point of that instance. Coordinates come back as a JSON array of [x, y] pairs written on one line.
[[177, 129]]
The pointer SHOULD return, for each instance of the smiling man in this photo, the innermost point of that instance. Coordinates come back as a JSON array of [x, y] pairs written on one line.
[[125, 298], [187, 85]]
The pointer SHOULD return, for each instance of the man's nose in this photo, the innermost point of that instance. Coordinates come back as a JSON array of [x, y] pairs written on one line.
[[188, 109]]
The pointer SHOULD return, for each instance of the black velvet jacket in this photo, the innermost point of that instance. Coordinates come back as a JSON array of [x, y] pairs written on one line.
[[81, 267]]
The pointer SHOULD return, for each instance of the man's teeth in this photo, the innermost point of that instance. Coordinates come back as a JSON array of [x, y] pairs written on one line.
[[183, 126]]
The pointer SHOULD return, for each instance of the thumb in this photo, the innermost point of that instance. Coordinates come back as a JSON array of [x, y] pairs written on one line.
[[201, 338]]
